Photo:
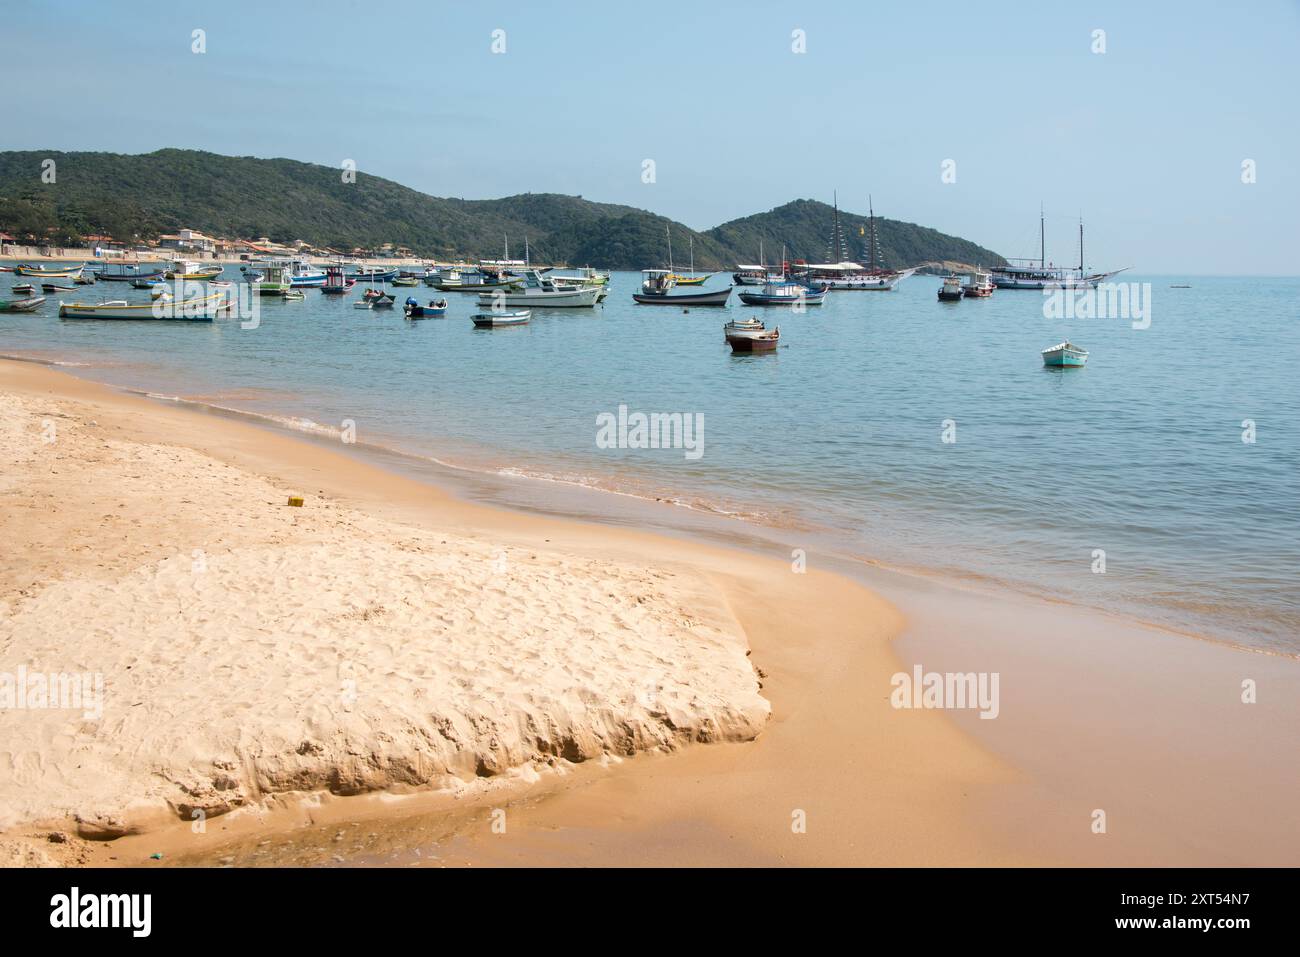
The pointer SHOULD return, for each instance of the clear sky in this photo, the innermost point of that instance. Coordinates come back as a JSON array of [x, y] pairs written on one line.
[[1145, 140]]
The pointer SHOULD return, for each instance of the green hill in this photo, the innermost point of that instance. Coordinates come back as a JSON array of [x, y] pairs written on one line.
[[804, 227], [142, 196]]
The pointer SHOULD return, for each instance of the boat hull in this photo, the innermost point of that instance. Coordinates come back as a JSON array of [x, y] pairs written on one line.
[[21, 305], [759, 299], [192, 310], [564, 299], [763, 342], [716, 298], [493, 320]]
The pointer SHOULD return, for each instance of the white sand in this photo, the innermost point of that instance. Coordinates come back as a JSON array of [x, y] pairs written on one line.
[[273, 649]]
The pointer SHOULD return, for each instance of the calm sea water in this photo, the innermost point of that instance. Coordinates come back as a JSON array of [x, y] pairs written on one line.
[[838, 436]]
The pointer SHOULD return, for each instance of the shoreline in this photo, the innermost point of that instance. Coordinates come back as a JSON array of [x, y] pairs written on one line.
[[942, 786], [708, 521]]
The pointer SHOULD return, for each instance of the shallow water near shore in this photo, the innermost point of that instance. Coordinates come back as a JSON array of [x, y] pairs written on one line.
[[837, 437]]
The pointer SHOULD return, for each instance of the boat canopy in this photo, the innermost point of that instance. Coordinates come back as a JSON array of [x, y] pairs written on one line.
[[836, 267], [655, 272]]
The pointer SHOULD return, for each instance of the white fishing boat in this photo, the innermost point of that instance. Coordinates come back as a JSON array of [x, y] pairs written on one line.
[[1065, 355], [490, 320], [541, 292], [188, 269], [199, 309]]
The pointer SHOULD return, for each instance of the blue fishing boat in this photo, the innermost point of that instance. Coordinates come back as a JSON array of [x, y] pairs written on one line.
[[784, 294], [1065, 355], [375, 275], [436, 309]]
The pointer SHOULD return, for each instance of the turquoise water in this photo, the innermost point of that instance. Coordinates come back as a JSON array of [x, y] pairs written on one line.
[[837, 436]]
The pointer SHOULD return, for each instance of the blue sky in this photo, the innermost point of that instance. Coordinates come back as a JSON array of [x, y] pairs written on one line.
[[1145, 140]]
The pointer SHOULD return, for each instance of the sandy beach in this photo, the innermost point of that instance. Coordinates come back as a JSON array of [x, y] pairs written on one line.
[[389, 674]]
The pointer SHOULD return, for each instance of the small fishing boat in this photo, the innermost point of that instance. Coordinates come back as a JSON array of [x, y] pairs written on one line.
[[273, 280], [490, 320], [436, 309], [655, 292], [220, 283], [753, 340], [335, 282], [147, 282], [950, 291], [188, 269], [750, 275], [586, 277], [541, 291], [691, 280], [980, 286], [85, 279], [55, 287], [784, 294], [742, 325], [1065, 355], [21, 305], [125, 271], [201, 309], [406, 281], [24, 288], [6, 268], [384, 300], [294, 295], [27, 270], [375, 275], [160, 291], [363, 304]]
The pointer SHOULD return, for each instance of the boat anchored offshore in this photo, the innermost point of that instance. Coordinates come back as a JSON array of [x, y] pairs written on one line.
[[436, 309], [200, 309], [1065, 355], [784, 294], [950, 291], [742, 325], [541, 291], [490, 320], [655, 292], [1026, 274], [21, 305], [753, 340], [980, 286]]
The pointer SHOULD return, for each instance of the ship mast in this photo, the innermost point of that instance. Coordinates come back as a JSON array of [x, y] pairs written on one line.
[[669, 233], [1042, 240], [1081, 246]]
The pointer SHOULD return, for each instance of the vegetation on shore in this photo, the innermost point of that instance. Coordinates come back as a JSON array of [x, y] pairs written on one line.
[[139, 197]]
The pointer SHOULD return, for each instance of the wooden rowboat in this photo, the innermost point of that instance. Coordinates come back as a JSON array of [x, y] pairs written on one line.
[[21, 305], [490, 320], [753, 340]]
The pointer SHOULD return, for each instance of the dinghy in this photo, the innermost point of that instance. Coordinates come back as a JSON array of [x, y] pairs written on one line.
[[753, 340], [21, 305], [1065, 355], [490, 320], [436, 309]]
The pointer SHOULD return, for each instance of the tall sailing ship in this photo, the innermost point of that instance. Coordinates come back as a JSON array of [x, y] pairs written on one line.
[[845, 274], [1028, 274]]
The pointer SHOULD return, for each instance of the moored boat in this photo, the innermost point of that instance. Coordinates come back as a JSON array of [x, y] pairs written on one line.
[[190, 270], [125, 270], [490, 320], [541, 292], [655, 292], [21, 305], [24, 288], [753, 340], [384, 300], [742, 325], [980, 286], [273, 279], [1065, 355], [294, 295], [55, 287], [784, 294], [406, 281], [1026, 274], [335, 282], [201, 309], [436, 309], [374, 275], [950, 291], [42, 272]]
